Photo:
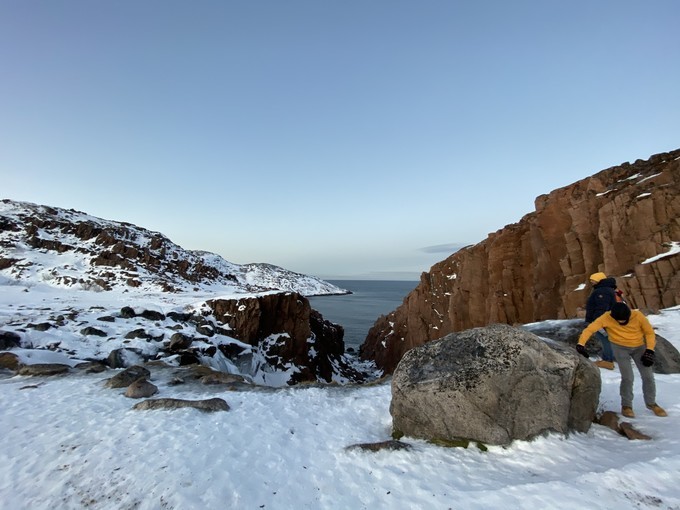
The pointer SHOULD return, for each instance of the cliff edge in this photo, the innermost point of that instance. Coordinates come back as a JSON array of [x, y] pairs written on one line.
[[624, 221]]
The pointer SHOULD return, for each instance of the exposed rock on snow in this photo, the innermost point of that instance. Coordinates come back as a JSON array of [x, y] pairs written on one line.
[[493, 385], [207, 405]]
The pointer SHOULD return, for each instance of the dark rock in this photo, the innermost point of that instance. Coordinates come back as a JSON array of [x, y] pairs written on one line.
[[43, 326], [106, 318], [127, 312], [179, 317], [123, 358], [222, 378], [231, 350], [138, 333], [179, 341], [92, 367], [9, 340], [188, 358], [43, 369], [152, 315], [127, 377], [208, 405], [205, 329], [92, 331]]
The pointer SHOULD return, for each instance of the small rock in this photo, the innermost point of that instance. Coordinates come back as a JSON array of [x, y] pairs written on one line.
[[221, 378], [152, 315], [180, 341], [43, 326], [609, 419], [92, 367], [43, 369], [631, 432], [141, 388], [127, 312], [90, 331], [127, 377], [208, 405], [9, 360], [9, 340]]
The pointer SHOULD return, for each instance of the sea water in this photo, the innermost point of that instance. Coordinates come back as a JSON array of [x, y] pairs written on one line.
[[358, 311]]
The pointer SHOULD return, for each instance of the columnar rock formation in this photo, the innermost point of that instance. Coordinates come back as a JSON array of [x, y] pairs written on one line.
[[624, 221]]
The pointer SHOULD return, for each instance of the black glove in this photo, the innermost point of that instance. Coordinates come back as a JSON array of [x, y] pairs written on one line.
[[581, 349], [648, 358]]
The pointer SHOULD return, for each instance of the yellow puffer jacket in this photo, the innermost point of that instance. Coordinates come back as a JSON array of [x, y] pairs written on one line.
[[637, 332]]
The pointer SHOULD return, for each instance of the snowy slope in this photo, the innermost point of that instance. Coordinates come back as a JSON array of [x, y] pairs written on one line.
[[69, 442], [71, 249]]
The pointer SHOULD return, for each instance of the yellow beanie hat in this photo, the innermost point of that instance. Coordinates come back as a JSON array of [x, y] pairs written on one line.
[[597, 277]]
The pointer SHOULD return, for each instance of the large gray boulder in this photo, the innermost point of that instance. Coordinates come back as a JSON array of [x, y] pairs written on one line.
[[493, 385]]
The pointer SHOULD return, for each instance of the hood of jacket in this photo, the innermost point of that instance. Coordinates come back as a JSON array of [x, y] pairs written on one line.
[[607, 282]]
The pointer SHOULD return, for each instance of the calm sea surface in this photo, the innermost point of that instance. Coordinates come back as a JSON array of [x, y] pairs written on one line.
[[358, 311]]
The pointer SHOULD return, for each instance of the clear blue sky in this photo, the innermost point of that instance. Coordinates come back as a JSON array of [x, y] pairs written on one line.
[[339, 139]]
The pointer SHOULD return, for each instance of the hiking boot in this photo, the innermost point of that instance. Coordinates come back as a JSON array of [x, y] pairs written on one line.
[[658, 410], [628, 412], [609, 365]]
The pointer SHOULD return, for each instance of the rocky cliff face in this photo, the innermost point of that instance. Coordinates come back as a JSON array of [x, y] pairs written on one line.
[[288, 334], [624, 221]]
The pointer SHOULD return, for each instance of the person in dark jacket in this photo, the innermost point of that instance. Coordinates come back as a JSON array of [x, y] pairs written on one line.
[[601, 300]]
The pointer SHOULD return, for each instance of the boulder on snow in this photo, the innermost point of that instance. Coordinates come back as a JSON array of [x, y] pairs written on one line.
[[127, 377], [123, 358], [9, 360], [180, 341], [494, 385], [9, 340], [141, 388]]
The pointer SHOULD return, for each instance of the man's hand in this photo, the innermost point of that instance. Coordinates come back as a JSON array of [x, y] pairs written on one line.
[[648, 358], [581, 349]]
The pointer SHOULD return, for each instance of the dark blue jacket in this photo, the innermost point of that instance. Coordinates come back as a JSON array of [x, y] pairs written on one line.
[[601, 299]]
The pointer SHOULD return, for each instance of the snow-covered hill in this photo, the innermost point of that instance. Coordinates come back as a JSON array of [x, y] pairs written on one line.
[[71, 249]]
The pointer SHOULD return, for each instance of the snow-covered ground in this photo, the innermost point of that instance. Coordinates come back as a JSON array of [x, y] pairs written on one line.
[[68, 442]]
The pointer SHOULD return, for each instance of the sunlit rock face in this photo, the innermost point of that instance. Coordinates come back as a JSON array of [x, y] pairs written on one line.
[[624, 221]]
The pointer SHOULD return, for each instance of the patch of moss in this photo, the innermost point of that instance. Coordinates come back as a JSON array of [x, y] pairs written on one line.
[[458, 443], [397, 434]]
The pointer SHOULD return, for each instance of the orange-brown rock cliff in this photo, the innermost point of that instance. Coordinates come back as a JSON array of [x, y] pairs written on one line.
[[537, 269]]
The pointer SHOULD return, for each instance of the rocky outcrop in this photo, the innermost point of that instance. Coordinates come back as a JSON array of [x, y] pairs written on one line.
[[272, 339], [624, 221], [287, 333], [106, 255], [492, 385]]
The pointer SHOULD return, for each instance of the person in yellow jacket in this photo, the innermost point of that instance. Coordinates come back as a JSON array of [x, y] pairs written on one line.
[[632, 337]]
